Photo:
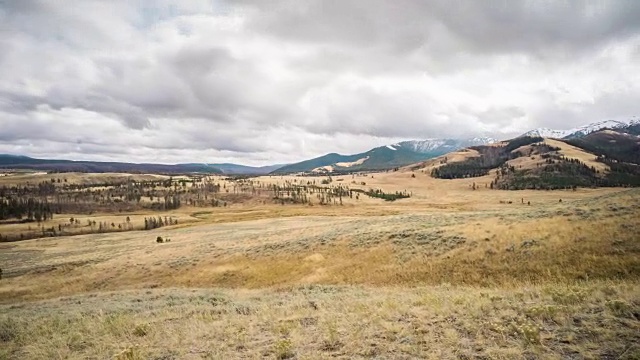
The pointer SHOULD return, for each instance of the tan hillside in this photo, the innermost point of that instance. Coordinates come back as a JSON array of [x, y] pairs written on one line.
[[577, 153], [452, 157]]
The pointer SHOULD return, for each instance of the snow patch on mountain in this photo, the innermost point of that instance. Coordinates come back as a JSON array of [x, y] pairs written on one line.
[[580, 131], [440, 145], [323, 169], [548, 133], [423, 146], [354, 163]]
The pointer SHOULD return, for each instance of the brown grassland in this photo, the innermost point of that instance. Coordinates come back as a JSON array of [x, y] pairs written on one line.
[[449, 273]]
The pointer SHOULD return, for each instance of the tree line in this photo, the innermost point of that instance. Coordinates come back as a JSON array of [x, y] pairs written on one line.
[[28, 209], [157, 222]]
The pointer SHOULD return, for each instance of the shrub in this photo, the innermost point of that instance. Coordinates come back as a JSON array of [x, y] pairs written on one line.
[[528, 331], [159, 239], [283, 349]]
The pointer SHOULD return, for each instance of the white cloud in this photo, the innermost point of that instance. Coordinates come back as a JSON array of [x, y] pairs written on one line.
[[280, 81]]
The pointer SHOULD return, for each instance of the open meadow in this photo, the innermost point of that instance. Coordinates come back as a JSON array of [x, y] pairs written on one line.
[[282, 267]]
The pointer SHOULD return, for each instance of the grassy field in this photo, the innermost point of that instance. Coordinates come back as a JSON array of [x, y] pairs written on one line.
[[448, 273], [593, 320]]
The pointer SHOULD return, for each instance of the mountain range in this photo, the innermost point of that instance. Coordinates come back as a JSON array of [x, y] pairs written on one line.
[[25, 162], [580, 131], [383, 157], [379, 158], [236, 169], [8, 161], [409, 152]]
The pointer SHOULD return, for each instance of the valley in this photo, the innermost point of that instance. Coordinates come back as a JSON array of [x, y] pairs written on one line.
[[297, 266], [525, 248]]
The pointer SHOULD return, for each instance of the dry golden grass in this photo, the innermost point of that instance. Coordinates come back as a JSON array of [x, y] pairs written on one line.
[[136, 222], [592, 238], [36, 177], [573, 152], [454, 156], [595, 320], [448, 273]]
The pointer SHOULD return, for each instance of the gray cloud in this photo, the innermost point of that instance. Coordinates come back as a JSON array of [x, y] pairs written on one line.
[[284, 80], [505, 26]]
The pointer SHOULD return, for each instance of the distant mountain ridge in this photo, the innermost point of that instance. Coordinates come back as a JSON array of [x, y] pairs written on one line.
[[8, 161], [409, 152], [580, 131], [429, 146], [383, 157], [379, 158], [236, 169]]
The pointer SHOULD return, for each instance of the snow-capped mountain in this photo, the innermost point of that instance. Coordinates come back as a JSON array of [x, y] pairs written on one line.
[[412, 151], [580, 131], [384, 157], [547, 133], [439, 145]]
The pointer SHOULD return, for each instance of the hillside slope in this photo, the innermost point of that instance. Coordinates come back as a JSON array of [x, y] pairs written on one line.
[[602, 158], [619, 146]]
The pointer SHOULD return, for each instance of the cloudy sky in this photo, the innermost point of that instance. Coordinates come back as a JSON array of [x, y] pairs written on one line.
[[270, 81]]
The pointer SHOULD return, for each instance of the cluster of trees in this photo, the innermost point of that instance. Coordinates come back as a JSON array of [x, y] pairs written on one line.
[[543, 148], [521, 141], [154, 223], [621, 153], [621, 149], [475, 167], [302, 193], [557, 172], [73, 227], [109, 196], [621, 174], [490, 158], [378, 193], [105, 226], [29, 209], [170, 203]]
